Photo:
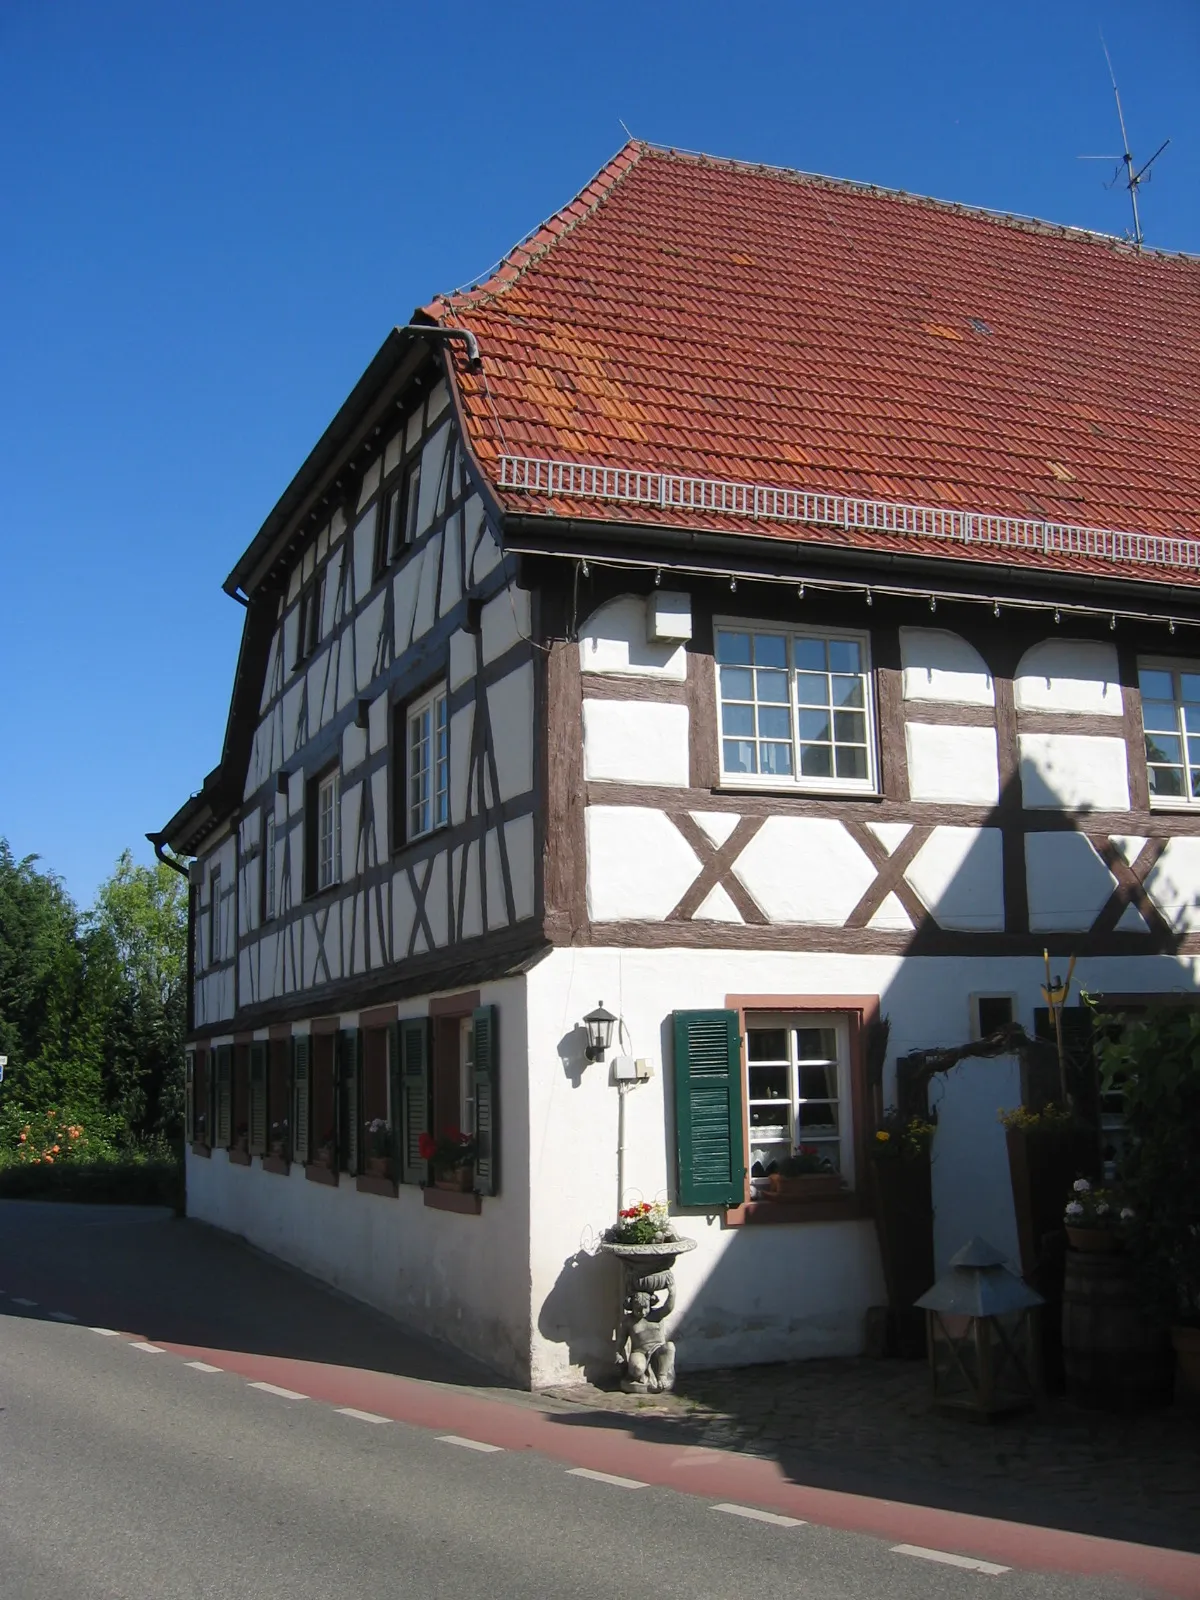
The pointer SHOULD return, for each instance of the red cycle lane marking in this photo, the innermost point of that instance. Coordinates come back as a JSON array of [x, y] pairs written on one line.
[[578, 1440]]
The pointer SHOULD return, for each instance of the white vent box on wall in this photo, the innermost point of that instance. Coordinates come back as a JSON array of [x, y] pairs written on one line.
[[668, 617]]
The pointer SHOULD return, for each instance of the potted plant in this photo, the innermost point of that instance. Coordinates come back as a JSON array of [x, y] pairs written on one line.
[[241, 1139], [640, 1224], [1095, 1219], [804, 1175], [278, 1141], [1153, 1064], [1047, 1147], [379, 1148], [451, 1153], [326, 1155]]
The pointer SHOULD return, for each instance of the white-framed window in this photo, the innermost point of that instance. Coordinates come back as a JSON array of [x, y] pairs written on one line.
[[798, 1092], [269, 905], [466, 1073], [329, 831], [795, 708], [1171, 723], [308, 628], [428, 764], [198, 945]]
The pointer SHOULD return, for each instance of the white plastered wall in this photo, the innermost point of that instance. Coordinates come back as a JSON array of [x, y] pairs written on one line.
[[464, 1279], [753, 1294]]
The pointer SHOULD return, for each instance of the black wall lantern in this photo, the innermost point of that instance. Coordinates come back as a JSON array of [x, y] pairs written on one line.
[[599, 1024]]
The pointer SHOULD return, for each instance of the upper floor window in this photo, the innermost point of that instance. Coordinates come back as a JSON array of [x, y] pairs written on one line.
[[397, 526], [795, 708], [428, 764], [309, 632], [1171, 719], [268, 867], [329, 830]]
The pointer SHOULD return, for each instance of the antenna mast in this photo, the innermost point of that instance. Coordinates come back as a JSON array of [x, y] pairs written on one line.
[[1133, 179]]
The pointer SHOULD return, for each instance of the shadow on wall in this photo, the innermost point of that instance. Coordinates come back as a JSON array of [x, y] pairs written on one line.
[[581, 1311]]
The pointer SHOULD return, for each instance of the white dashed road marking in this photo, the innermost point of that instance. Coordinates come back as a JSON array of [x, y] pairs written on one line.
[[273, 1388], [359, 1416], [468, 1444], [142, 1344], [606, 1477], [203, 1366], [62, 1316], [17, 1301], [105, 1333], [989, 1568], [760, 1516]]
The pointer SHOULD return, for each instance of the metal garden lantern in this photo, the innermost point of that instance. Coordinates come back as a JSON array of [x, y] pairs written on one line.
[[983, 1336]]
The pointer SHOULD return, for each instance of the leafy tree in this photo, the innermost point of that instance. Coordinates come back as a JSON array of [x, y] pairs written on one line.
[[137, 943], [92, 1008]]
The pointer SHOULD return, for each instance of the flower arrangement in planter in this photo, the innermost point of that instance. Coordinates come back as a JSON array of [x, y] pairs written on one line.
[[451, 1153], [241, 1138], [326, 1151], [803, 1175], [640, 1224], [902, 1139], [1095, 1219], [278, 1139], [379, 1148]]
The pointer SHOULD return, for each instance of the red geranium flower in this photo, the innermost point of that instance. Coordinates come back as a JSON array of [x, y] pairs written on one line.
[[426, 1147]]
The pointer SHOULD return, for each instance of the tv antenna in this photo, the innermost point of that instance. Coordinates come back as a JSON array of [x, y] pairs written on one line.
[[1134, 178]]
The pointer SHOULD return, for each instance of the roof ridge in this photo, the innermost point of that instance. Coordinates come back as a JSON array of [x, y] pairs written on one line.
[[1013, 219], [538, 241]]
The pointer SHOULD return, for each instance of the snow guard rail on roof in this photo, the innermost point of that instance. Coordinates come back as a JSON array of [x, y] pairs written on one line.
[[629, 486]]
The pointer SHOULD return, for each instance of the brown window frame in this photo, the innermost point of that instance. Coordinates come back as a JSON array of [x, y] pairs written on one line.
[[860, 1011]]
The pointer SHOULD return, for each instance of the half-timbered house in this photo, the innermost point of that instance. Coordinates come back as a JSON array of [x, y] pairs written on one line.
[[765, 604]]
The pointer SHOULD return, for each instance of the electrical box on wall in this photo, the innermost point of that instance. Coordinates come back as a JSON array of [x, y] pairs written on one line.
[[624, 1069], [668, 617]]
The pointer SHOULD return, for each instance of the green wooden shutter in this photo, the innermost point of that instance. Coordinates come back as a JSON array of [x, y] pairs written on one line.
[[301, 1096], [224, 1077], [189, 1097], [349, 1100], [708, 1108], [414, 1097], [258, 1099], [487, 1100]]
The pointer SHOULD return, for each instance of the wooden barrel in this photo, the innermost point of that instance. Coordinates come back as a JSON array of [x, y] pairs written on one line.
[[1115, 1354]]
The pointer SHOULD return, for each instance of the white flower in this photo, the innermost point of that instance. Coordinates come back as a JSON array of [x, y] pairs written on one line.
[[1074, 1209], [1101, 1210], [1126, 1213], [1082, 1186]]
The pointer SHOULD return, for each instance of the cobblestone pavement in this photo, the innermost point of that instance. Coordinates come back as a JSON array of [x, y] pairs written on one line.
[[868, 1427]]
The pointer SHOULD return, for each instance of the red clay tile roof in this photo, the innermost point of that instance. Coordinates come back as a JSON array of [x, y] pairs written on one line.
[[744, 325]]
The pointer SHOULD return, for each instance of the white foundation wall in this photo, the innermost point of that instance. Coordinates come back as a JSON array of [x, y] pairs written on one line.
[[754, 1293], [461, 1278]]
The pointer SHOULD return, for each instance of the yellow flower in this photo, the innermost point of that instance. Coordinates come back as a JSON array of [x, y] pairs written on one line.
[[883, 1136]]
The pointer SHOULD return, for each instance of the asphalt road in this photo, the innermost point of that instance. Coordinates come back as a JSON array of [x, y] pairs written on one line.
[[130, 1472]]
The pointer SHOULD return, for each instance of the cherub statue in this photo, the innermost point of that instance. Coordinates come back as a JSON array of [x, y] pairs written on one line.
[[649, 1354]]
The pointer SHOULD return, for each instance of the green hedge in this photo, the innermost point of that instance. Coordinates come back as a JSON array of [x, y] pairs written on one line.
[[144, 1183]]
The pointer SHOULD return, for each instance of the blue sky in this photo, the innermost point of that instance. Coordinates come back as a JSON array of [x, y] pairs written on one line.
[[215, 213]]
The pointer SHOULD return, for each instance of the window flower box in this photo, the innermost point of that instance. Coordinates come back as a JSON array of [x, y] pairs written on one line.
[[803, 1186]]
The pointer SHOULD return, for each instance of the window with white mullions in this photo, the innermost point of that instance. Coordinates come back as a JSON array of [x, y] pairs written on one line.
[[795, 708], [329, 832], [1171, 722], [428, 765], [797, 1091]]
